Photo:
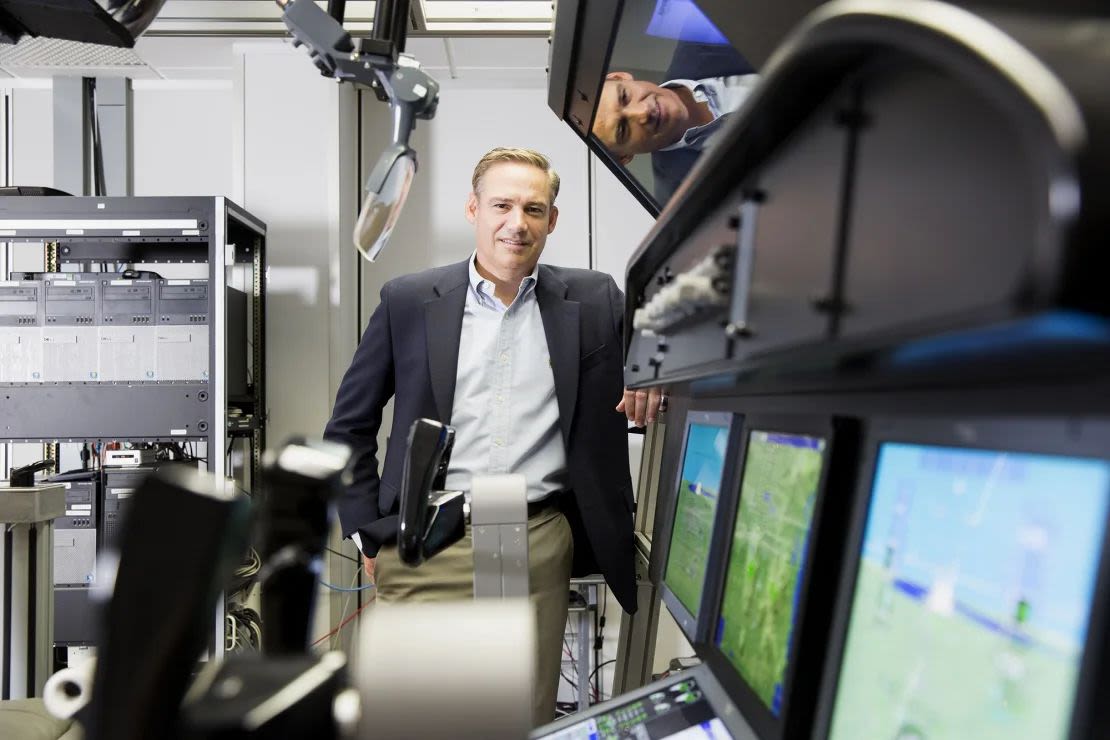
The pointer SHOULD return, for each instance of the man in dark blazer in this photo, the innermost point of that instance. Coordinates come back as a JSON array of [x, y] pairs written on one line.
[[510, 352]]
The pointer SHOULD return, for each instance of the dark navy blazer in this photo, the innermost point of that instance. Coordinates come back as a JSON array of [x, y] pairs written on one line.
[[410, 352]]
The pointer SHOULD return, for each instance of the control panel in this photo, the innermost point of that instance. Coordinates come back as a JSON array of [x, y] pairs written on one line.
[[674, 710]]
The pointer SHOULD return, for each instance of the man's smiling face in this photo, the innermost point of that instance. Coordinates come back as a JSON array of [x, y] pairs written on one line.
[[637, 117], [512, 216]]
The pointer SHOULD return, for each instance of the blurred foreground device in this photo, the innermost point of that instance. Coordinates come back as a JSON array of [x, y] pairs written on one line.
[[431, 519], [300, 481], [288, 691], [186, 532], [108, 22]]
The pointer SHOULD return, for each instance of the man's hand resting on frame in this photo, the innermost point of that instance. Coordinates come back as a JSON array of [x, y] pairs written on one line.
[[642, 406]]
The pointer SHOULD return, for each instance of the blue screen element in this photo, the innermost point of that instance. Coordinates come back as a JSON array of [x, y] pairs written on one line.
[[683, 20], [699, 488], [973, 596], [704, 465]]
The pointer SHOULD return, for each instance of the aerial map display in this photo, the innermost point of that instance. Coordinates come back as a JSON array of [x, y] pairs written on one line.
[[699, 488], [973, 595], [778, 493]]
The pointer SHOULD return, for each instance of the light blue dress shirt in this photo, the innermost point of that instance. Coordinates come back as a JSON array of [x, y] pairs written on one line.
[[723, 95], [505, 412]]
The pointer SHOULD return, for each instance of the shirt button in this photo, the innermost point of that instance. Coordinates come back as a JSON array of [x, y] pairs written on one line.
[[498, 442], [504, 357]]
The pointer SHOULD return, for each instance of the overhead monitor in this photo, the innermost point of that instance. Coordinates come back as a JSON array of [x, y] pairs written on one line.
[[650, 84], [763, 592], [971, 591], [671, 84], [697, 494]]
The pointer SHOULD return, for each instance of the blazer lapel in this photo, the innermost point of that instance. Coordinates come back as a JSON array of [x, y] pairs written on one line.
[[442, 327], [560, 324]]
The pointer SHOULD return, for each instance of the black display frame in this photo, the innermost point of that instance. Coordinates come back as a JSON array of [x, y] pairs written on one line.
[[840, 462], [1066, 437], [695, 626]]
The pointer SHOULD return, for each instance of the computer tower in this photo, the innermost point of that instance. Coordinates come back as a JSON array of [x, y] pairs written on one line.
[[119, 485]]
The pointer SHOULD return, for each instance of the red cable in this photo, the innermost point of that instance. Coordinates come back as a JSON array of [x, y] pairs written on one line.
[[342, 624]]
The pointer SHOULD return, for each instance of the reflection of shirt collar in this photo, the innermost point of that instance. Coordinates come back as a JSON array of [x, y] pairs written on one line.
[[484, 289], [722, 95]]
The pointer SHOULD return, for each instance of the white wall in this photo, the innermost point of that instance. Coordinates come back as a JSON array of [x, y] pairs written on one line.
[[287, 152], [181, 134], [619, 223], [181, 131], [32, 133]]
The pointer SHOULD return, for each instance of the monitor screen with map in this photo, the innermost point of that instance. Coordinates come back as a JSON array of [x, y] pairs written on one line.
[[765, 574], [697, 493], [973, 594]]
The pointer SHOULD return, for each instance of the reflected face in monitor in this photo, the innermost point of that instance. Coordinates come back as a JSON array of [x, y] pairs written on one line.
[[512, 214], [638, 117]]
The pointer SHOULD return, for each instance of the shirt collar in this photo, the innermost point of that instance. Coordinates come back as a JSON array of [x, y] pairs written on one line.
[[484, 289], [694, 137], [723, 95]]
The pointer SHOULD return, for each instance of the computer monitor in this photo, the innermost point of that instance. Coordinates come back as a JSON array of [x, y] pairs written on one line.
[[968, 601], [697, 492], [763, 592]]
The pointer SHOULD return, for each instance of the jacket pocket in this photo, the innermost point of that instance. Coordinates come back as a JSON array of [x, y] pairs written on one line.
[[592, 357]]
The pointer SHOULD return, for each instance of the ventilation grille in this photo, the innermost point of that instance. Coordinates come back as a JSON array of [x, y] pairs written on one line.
[[43, 53]]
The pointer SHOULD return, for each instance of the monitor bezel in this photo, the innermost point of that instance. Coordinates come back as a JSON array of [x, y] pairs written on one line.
[[1066, 437], [838, 460], [695, 627]]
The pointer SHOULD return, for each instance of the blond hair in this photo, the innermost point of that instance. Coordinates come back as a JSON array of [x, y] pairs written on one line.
[[523, 156]]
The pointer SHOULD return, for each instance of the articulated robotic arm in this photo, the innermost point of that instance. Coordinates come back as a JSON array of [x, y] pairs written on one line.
[[377, 62], [380, 64]]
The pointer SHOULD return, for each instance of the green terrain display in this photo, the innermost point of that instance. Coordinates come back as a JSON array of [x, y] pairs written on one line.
[[977, 573], [764, 576], [696, 507]]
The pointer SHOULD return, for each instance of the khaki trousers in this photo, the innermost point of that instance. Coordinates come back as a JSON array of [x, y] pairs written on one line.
[[450, 576]]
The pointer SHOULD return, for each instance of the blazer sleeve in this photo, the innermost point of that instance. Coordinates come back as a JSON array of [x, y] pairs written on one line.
[[366, 388], [616, 300]]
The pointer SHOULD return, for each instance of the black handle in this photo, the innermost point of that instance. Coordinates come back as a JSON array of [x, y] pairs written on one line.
[[429, 445]]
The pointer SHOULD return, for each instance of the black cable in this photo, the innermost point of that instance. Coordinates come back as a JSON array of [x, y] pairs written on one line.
[[600, 666]]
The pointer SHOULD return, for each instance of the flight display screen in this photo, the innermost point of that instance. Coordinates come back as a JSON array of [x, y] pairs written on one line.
[[764, 576], [676, 712], [699, 488], [973, 593]]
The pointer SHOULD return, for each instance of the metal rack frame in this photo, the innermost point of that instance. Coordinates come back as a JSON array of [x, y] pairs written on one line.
[[146, 230]]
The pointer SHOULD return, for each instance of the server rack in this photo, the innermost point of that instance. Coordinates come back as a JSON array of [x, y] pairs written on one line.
[[126, 399]]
